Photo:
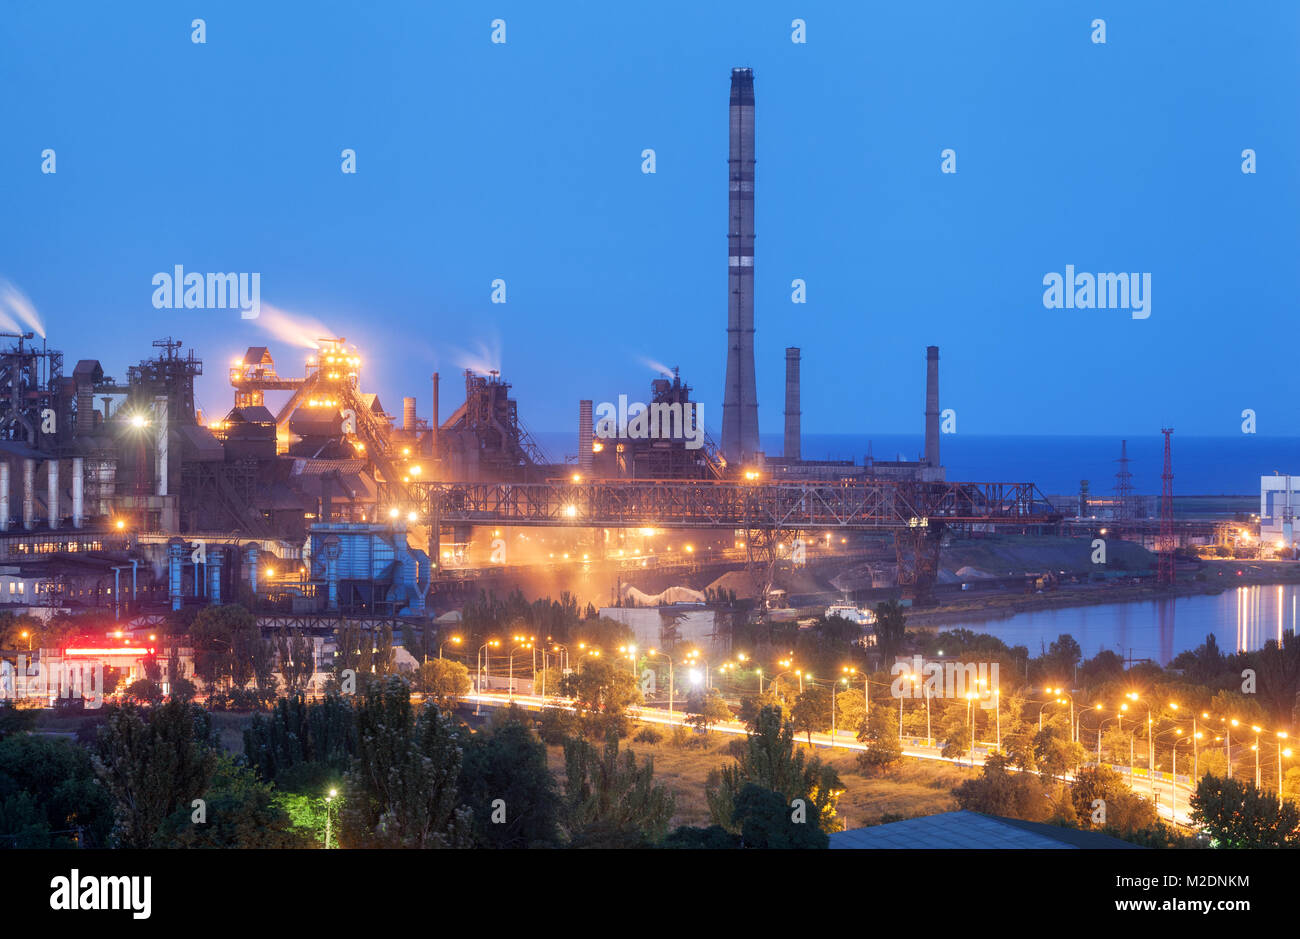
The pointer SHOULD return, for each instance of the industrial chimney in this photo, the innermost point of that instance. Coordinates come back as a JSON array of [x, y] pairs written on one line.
[[740, 400], [584, 435], [408, 415], [932, 406], [792, 425], [433, 421]]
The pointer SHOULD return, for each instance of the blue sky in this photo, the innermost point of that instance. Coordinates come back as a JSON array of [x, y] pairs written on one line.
[[522, 161]]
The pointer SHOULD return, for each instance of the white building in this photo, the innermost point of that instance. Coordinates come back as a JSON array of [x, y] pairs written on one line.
[[1279, 500]]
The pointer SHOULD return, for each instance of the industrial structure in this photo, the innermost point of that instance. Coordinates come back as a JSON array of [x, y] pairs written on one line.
[[740, 401]]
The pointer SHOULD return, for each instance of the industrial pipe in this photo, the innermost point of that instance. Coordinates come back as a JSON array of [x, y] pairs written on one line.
[[78, 492], [4, 495], [29, 494], [52, 492]]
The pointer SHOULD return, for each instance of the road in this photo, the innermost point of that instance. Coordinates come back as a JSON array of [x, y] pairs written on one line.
[[1164, 791]]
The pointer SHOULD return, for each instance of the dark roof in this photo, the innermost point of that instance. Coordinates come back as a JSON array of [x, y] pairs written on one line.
[[88, 370], [972, 830], [254, 414]]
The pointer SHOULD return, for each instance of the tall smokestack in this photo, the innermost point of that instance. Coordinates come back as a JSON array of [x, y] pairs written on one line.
[[584, 435], [932, 406], [740, 401], [433, 421], [792, 422]]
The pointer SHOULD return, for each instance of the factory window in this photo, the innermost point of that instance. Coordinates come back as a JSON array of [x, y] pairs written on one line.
[[22, 586], [11, 586]]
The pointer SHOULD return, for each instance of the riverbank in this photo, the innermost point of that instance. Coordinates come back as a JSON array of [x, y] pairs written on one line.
[[993, 605]]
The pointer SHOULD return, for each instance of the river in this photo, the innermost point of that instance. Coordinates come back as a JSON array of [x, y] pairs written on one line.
[[1243, 618]]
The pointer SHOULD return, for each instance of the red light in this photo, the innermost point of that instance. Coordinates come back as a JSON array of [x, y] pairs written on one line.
[[107, 652]]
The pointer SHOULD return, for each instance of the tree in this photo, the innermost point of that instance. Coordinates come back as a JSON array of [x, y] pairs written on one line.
[[891, 628], [445, 681], [713, 838], [812, 710], [144, 691], [297, 660], [153, 766], [765, 821], [240, 812], [880, 733], [505, 781], [602, 691], [707, 709], [401, 790], [610, 800], [1010, 795], [1237, 815], [771, 761], [49, 796], [1125, 812], [1055, 755], [850, 711], [299, 745]]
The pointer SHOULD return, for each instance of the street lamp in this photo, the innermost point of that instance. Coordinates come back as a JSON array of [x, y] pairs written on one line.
[[454, 640], [1058, 692], [1256, 748], [1281, 735], [1173, 811], [670, 678], [1151, 748], [329, 804], [511, 659], [483, 667]]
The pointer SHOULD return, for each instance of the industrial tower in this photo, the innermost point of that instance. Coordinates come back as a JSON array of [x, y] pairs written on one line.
[[740, 399], [1123, 509], [1167, 543]]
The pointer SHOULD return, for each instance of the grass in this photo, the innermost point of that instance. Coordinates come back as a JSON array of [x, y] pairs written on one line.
[[913, 787]]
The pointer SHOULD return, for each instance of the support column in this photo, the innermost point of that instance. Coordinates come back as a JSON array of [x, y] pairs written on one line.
[[52, 492], [78, 492], [29, 494], [214, 576], [4, 495], [175, 567]]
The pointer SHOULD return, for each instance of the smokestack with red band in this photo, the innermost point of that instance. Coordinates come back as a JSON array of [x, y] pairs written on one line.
[[433, 421], [792, 425], [932, 406], [740, 395]]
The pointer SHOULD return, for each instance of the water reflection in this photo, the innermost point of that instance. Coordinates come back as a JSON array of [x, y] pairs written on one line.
[[1243, 619]]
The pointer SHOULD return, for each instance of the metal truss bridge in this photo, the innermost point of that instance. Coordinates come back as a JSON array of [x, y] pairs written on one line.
[[873, 505]]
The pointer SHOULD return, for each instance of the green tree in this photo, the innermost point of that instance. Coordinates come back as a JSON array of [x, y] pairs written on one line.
[[153, 765], [301, 746], [1010, 795], [49, 796], [1237, 815], [880, 733], [240, 812], [1100, 790], [445, 681], [504, 779], [297, 657], [812, 711], [401, 790], [611, 800], [766, 821], [602, 691], [771, 761], [706, 710], [891, 628]]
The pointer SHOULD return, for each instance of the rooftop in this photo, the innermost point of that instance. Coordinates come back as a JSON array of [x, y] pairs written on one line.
[[971, 830]]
